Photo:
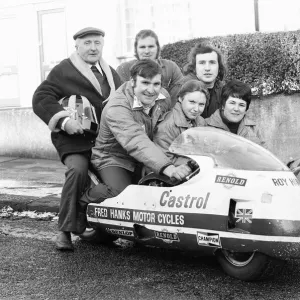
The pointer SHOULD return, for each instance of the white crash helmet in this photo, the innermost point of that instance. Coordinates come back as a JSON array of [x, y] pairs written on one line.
[[80, 108]]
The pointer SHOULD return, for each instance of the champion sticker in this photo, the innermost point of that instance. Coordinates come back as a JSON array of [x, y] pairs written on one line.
[[208, 239]]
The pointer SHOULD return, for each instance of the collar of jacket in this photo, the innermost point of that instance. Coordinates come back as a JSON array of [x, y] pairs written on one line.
[[216, 121], [180, 118], [85, 70], [137, 104], [160, 61], [248, 121]]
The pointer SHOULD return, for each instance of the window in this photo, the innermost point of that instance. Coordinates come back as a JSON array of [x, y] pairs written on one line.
[[9, 79], [52, 39], [126, 35]]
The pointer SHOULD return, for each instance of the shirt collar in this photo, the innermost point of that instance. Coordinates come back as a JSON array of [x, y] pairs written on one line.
[[97, 66], [138, 104]]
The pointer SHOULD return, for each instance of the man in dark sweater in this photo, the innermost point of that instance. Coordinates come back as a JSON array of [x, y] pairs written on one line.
[[205, 63], [84, 73]]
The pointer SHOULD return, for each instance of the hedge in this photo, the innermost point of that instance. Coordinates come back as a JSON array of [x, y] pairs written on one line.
[[269, 62]]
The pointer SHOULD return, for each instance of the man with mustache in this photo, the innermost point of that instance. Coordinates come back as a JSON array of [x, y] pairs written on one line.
[[124, 143], [84, 73]]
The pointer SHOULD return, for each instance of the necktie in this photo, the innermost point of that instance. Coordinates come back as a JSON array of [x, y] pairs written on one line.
[[104, 86], [97, 73]]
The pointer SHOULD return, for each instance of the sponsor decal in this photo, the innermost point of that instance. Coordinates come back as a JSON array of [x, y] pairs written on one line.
[[167, 237], [189, 219], [285, 181], [112, 213], [230, 180], [119, 214], [170, 219], [120, 231], [188, 201], [143, 216], [244, 215], [208, 239], [160, 218], [294, 181], [137, 216], [100, 212]]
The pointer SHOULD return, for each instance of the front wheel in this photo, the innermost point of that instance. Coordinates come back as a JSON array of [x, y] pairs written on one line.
[[249, 266], [97, 236]]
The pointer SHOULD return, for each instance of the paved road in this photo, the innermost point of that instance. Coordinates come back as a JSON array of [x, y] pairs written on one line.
[[30, 268]]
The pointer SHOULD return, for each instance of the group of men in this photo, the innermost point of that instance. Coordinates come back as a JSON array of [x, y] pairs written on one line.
[[128, 104]]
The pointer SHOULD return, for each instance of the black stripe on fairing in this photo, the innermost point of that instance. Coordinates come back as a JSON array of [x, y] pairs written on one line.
[[269, 227], [272, 227], [189, 219]]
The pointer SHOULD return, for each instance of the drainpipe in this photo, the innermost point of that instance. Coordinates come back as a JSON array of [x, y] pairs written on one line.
[[256, 15]]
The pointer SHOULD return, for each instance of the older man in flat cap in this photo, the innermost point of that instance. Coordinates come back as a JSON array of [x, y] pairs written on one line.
[[84, 73]]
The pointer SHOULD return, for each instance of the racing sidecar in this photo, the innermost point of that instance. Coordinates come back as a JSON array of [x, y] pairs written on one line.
[[241, 204]]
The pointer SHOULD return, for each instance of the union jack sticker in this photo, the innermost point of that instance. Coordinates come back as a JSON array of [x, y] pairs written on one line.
[[244, 215]]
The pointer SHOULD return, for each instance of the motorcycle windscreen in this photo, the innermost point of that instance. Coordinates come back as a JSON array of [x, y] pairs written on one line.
[[228, 150]]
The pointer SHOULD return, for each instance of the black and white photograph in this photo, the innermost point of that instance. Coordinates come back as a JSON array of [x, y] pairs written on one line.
[[149, 149]]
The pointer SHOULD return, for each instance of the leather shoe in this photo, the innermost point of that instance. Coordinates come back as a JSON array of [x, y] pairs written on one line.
[[63, 241]]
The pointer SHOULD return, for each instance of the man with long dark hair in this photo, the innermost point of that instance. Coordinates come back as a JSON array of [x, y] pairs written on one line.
[[206, 65]]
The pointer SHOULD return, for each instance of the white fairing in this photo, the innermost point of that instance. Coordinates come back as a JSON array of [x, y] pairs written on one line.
[[264, 191]]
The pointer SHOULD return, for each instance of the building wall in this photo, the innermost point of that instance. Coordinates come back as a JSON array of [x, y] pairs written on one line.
[[278, 116], [21, 62], [23, 134], [21, 24]]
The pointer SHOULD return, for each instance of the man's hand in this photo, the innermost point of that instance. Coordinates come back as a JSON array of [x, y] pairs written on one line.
[[73, 127], [179, 172]]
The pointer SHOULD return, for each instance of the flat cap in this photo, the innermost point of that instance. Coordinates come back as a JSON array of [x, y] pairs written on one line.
[[88, 30]]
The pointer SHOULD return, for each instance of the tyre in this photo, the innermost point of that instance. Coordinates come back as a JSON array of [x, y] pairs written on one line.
[[97, 236], [249, 266]]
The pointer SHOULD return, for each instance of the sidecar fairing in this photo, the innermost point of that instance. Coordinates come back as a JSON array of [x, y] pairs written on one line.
[[243, 200]]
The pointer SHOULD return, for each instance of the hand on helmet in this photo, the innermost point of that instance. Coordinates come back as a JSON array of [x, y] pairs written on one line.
[[73, 127]]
